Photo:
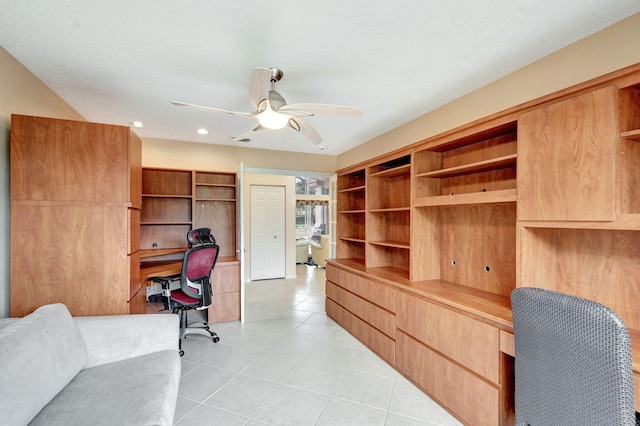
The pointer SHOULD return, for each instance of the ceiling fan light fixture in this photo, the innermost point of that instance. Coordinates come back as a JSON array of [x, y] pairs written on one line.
[[271, 119]]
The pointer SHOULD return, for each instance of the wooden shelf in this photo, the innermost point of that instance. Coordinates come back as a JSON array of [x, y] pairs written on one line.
[[488, 197], [355, 188], [165, 223], [395, 244], [231, 200], [393, 172], [392, 209], [165, 196], [480, 166], [623, 222], [351, 211], [223, 185], [353, 239], [634, 135]]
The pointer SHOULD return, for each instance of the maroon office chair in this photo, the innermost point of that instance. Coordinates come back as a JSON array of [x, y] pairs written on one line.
[[194, 291]]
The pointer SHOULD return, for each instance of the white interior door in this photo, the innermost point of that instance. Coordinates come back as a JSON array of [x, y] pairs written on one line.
[[268, 245]]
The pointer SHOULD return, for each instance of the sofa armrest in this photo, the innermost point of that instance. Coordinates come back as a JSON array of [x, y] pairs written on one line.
[[117, 337]]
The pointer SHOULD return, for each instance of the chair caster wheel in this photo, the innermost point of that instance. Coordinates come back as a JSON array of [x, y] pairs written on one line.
[[181, 352], [216, 339]]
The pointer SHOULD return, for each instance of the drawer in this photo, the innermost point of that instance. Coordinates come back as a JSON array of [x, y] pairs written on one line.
[[378, 293], [470, 398], [375, 340], [367, 311], [472, 343]]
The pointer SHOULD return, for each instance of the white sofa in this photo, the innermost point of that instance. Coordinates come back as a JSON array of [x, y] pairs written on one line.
[[56, 369]]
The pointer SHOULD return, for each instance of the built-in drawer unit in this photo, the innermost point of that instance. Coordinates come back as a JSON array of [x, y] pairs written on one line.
[[363, 307], [472, 343], [474, 400]]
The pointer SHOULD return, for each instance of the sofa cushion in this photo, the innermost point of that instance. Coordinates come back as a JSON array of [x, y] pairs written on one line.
[[40, 354], [137, 391]]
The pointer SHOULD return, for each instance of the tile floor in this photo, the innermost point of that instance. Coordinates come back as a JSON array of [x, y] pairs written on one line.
[[289, 364]]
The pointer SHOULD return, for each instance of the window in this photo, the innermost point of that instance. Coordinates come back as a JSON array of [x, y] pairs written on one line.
[[312, 206]]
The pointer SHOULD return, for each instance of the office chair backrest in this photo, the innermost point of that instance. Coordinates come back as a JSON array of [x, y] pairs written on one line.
[[198, 264], [572, 361]]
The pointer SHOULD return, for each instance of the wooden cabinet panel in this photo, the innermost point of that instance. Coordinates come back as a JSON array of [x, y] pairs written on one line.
[[226, 292], [75, 195], [378, 293], [138, 303], [54, 159], [72, 253], [372, 314], [472, 399], [463, 339], [378, 342], [567, 158], [134, 230], [226, 276]]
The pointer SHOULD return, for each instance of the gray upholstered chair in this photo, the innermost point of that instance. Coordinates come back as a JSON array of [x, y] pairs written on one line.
[[573, 361]]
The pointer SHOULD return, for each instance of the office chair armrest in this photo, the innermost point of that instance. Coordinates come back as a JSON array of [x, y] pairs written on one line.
[[165, 281], [117, 337]]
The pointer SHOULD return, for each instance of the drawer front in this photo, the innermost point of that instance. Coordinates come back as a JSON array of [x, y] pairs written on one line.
[[370, 313], [378, 293], [472, 343], [467, 396], [378, 342]]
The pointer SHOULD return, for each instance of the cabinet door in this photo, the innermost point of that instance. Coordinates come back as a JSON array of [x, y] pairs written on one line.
[[54, 159], [566, 159]]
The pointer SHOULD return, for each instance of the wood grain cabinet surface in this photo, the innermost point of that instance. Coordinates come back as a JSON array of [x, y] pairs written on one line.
[[75, 200]]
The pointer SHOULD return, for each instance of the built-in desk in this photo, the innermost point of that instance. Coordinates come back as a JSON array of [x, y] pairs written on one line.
[[225, 280]]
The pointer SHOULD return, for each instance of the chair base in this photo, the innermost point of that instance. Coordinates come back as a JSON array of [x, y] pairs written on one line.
[[196, 327]]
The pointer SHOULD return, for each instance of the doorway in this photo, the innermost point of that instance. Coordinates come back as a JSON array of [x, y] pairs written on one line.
[[267, 235]]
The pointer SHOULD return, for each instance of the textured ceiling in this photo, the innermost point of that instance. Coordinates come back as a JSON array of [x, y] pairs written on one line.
[[118, 61]]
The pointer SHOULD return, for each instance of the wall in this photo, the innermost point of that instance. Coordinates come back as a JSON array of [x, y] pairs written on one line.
[[608, 50], [21, 92], [202, 156]]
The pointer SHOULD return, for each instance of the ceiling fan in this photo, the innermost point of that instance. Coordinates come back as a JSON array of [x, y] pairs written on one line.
[[273, 112]]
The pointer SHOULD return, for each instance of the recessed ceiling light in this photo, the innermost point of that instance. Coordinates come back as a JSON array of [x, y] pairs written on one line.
[[321, 147], [203, 131], [137, 124]]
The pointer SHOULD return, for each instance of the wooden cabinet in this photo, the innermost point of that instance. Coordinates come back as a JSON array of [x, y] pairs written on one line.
[[176, 201], [567, 159], [543, 195], [75, 200], [351, 200]]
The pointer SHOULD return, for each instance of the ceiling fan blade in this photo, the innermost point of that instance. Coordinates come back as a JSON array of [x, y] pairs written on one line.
[[259, 85], [247, 135], [210, 109], [319, 109], [299, 125]]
